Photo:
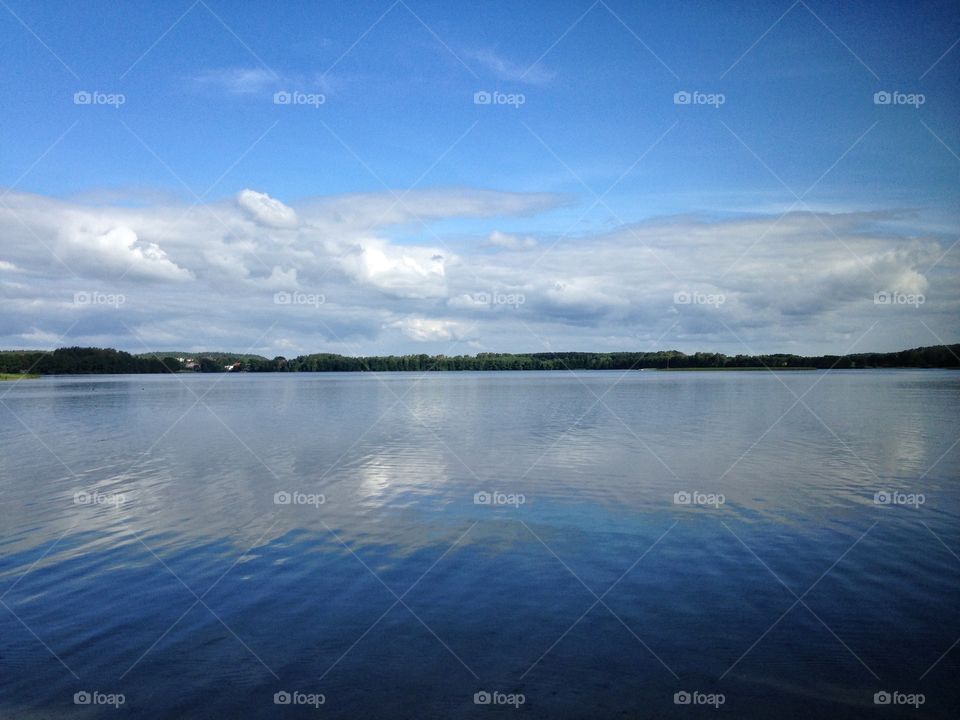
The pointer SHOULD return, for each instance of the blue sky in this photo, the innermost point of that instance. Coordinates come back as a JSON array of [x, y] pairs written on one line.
[[597, 158]]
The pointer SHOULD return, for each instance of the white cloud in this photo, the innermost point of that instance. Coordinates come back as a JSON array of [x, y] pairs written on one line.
[[587, 294], [510, 242], [38, 338], [279, 279], [119, 248], [224, 262], [402, 271], [427, 330], [384, 209], [207, 275], [504, 68], [239, 80], [266, 210], [470, 301]]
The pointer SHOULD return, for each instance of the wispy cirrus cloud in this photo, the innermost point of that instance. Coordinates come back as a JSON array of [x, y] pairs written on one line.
[[507, 69], [238, 80]]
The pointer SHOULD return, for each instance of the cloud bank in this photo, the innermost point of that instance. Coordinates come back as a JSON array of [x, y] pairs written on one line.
[[375, 273]]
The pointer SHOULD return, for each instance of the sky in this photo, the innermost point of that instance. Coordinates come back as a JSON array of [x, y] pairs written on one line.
[[439, 177]]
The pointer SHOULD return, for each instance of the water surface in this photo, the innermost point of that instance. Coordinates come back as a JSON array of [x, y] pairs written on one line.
[[143, 550]]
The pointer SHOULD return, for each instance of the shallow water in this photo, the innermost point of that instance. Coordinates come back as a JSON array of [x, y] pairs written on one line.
[[177, 580]]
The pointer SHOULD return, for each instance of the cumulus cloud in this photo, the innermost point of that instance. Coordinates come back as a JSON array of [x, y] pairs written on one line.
[[119, 248], [265, 210], [427, 330], [585, 295], [400, 271], [393, 281], [279, 279]]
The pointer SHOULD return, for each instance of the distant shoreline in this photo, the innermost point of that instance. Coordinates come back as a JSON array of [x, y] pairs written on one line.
[[103, 361], [749, 368], [15, 377]]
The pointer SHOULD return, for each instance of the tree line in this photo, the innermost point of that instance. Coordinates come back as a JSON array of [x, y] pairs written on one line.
[[78, 360]]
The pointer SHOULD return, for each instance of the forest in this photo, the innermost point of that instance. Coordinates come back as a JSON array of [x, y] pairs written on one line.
[[79, 360]]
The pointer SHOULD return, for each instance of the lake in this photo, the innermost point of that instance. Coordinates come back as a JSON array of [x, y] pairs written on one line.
[[550, 545]]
